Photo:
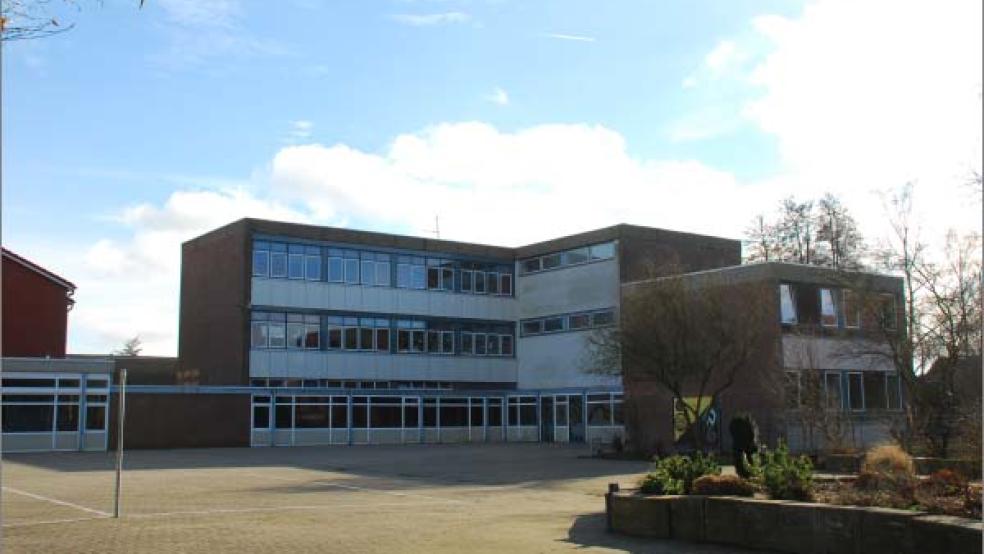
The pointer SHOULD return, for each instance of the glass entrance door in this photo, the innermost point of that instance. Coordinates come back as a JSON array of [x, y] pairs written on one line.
[[561, 419]]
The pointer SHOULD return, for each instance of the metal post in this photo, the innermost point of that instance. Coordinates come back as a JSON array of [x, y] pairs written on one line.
[[612, 489], [119, 441]]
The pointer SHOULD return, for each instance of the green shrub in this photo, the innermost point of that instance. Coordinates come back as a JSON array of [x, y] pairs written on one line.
[[676, 474], [650, 484], [723, 485], [783, 476], [744, 441]]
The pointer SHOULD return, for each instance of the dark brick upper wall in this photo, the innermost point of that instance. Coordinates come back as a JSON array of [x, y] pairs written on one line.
[[214, 311]]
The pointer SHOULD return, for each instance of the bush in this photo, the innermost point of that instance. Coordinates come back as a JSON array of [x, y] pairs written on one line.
[[744, 441], [783, 476], [676, 474], [650, 484], [889, 461], [723, 485]]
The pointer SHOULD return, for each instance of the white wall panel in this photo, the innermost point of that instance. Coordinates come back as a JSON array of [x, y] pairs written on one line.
[[369, 366]]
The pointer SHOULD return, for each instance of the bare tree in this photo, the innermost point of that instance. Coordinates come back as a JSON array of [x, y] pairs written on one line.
[[814, 232], [30, 19], [131, 347], [690, 338]]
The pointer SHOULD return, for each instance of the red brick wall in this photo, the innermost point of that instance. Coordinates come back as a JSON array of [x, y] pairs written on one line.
[[35, 313]]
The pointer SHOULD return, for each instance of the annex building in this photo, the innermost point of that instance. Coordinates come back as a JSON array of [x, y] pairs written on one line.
[[296, 334]]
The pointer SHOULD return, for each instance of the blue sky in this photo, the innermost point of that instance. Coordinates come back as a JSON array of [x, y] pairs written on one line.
[[141, 128]]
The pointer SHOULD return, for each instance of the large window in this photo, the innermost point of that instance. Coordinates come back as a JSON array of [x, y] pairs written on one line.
[[832, 390], [851, 309], [411, 272], [279, 330], [295, 261], [787, 305], [571, 257], [411, 336], [605, 409], [828, 308], [375, 269], [522, 411], [855, 391]]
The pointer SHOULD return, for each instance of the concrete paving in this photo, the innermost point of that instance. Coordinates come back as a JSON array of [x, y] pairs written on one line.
[[433, 498]]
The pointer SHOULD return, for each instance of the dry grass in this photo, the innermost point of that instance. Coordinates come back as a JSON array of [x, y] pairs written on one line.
[[723, 485], [888, 460]]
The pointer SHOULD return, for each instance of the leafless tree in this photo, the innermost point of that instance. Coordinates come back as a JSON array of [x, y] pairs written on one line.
[[814, 232], [690, 338], [30, 19]]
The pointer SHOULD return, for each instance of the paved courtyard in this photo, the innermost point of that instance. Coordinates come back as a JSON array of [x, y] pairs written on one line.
[[434, 498]]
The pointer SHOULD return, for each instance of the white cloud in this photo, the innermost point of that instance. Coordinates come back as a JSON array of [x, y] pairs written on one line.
[[430, 19], [129, 285], [498, 96], [575, 38], [201, 12], [724, 53], [858, 102], [505, 188]]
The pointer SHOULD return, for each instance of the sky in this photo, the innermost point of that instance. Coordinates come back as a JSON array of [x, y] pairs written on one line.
[[509, 121]]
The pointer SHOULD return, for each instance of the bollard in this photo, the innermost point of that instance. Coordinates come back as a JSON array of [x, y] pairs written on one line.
[[612, 489]]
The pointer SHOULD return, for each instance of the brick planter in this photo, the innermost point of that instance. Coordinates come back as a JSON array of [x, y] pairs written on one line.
[[794, 527]]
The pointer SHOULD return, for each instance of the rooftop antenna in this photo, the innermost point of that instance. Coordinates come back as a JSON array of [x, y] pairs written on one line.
[[437, 227]]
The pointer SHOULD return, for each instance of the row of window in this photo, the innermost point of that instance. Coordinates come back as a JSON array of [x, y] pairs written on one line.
[[833, 307], [854, 391], [393, 412], [574, 256], [567, 322], [340, 384], [92, 382], [274, 330], [47, 413], [336, 265]]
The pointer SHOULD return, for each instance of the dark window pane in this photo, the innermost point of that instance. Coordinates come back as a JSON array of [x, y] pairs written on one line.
[[476, 415], [599, 414], [261, 417], [403, 340], [418, 341], [529, 266], [553, 324], [360, 417], [334, 338], [551, 261], [506, 287], [576, 256], [313, 337], [433, 277], [493, 345], [433, 341], [339, 416], [382, 340], [283, 416], [95, 418], [603, 318], [351, 338], [480, 344], [855, 391], [532, 327], [27, 419], [386, 417], [418, 277], [874, 391], [492, 283], [527, 415], [447, 342], [311, 416], [68, 417], [480, 282], [454, 416], [430, 415], [365, 338], [495, 415], [466, 281], [467, 341], [579, 321], [507, 348], [447, 278], [410, 416]]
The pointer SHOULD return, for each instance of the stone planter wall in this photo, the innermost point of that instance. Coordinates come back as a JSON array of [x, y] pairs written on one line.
[[851, 463], [793, 527]]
